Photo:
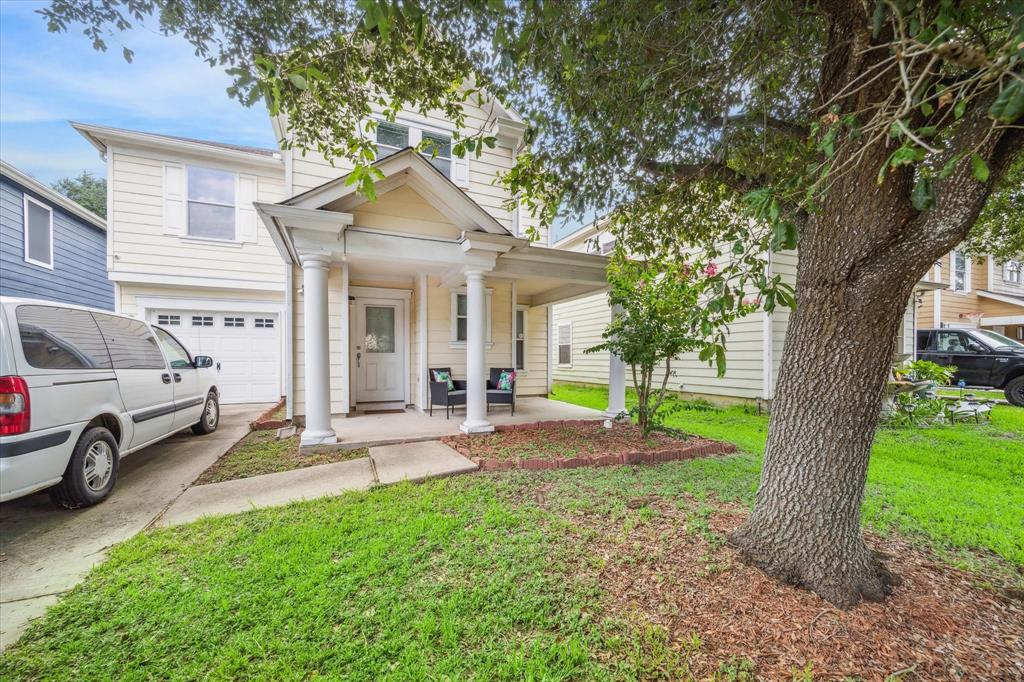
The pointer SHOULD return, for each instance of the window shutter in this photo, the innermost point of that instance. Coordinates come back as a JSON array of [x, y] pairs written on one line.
[[245, 212], [460, 170], [515, 221], [175, 222]]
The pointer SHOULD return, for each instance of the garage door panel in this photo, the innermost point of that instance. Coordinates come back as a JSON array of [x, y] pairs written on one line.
[[245, 345]]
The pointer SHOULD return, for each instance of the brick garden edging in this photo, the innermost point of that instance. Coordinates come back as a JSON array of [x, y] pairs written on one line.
[[265, 423], [698, 447]]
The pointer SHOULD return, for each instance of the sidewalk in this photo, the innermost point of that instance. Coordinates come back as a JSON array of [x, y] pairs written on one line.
[[384, 465]]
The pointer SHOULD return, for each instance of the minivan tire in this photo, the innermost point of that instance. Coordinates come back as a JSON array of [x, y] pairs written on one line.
[[96, 447], [210, 418], [1014, 391]]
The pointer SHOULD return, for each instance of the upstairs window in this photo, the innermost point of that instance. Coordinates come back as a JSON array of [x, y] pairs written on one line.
[[960, 272], [439, 152], [1012, 272], [391, 137], [211, 203], [38, 233], [394, 137]]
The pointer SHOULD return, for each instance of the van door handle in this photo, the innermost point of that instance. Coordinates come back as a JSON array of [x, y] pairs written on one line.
[[165, 377], [177, 378]]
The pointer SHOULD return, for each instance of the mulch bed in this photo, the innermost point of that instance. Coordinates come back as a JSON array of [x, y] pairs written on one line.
[[577, 443], [937, 625]]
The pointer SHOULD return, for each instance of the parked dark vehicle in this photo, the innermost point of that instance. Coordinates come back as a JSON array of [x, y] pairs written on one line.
[[983, 358]]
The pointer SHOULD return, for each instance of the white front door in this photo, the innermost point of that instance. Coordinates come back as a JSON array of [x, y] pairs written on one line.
[[379, 351]]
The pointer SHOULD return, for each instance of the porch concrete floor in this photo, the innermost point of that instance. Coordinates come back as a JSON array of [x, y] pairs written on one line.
[[414, 425]]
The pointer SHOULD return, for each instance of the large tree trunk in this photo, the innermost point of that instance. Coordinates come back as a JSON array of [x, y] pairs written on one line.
[[805, 527]]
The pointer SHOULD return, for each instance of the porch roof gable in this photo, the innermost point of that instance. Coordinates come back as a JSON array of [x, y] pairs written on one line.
[[405, 167]]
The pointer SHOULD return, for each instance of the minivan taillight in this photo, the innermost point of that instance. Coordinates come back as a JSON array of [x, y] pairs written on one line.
[[15, 407]]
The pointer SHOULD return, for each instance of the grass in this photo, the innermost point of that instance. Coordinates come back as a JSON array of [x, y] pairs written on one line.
[[447, 580], [260, 452], [977, 393], [955, 488]]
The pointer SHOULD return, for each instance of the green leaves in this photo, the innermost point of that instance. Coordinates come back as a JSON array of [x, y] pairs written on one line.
[[923, 195], [979, 168], [1009, 105]]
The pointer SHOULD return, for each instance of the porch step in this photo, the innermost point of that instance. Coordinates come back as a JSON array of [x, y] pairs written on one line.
[[417, 462]]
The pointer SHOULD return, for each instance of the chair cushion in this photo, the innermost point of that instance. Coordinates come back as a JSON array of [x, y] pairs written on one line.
[[445, 377], [505, 380], [456, 393], [498, 391]]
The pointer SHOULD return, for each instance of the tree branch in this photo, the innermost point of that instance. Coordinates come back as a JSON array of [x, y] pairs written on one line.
[[754, 120], [688, 172]]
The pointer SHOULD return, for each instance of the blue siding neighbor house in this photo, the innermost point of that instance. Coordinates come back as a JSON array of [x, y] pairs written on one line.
[[50, 247]]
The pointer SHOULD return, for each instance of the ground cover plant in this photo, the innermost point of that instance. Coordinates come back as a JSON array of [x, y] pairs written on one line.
[[260, 452], [589, 574], [956, 488]]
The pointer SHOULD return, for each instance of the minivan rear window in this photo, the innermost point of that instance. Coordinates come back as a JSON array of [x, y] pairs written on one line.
[[131, 344], [61, 338]]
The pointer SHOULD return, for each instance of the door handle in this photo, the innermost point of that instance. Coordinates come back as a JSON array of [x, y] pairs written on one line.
[[177, 378], [358, 357], [165, 377]]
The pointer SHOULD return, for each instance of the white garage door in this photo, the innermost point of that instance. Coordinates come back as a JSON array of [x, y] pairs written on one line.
[[247, 346]]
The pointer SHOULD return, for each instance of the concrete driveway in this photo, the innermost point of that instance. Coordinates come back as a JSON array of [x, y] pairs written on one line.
[[45, 551]]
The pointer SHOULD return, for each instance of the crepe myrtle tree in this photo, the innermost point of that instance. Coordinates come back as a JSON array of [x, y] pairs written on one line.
[[868, 134], [669, 306]]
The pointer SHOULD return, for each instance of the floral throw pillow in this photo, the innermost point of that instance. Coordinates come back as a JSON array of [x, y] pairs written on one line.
[[445, 377], [505, 381]]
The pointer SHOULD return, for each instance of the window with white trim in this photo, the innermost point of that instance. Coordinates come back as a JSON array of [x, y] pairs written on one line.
[[520, 338], [460, 317], [38, 221], [606, 247], [565, 344], [960, 273], [168, 320], [202, 320], [394, 137], [264, 323], [211, 203], [234, 321], [1012, 272]]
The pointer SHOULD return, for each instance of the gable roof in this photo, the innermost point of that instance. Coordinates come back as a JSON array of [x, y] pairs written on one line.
[[52, 195], [405, 167], [100, 136]]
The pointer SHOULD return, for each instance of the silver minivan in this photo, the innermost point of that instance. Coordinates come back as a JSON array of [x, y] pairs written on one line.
[[80, 388]]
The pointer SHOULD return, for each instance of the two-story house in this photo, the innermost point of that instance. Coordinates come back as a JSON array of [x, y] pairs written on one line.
[[753, 347], [982, 292], [299, 286], [51, 248]]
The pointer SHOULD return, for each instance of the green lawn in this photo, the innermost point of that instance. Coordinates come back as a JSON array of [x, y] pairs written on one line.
[[977, 393], [957, 487], [495, 576], [260, 452]]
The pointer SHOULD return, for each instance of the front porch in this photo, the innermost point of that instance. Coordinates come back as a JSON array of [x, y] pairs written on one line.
[[421, 278], [410, 424]]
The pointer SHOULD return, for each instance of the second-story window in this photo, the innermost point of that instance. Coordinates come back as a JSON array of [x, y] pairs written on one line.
[[439, 152], [1012, 272], [391, 137], [211, 203], [960, 275]]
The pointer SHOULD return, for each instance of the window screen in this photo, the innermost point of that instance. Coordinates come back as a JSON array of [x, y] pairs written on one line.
[[38, 233], [565, 344], [211, 203], [61, 338], [131, 344], [439, 152]]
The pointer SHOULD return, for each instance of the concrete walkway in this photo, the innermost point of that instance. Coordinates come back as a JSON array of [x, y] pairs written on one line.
[[46, 550], [385, 465]]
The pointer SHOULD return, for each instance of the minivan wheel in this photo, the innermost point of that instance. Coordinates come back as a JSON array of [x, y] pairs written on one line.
[[1014, 391], [91, 472], [211, 416]]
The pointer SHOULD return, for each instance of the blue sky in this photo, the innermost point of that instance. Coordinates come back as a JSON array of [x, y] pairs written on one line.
[[47, 79]]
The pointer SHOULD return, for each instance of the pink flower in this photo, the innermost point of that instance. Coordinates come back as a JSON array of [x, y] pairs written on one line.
[[711, 270], [752, 300]]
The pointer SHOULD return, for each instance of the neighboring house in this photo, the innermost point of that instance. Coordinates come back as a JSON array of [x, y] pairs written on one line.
[[50, 247], [753, 346], [981, 293], [262, 259]]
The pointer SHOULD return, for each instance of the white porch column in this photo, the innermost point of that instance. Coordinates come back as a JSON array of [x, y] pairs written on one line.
[[476, 337], [616, 380], [317, 351]]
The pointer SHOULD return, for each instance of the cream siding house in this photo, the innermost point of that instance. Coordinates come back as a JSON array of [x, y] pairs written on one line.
[[298, 286], [753, 348]]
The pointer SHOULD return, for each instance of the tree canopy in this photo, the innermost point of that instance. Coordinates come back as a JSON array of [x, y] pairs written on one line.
[[87, 190]]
